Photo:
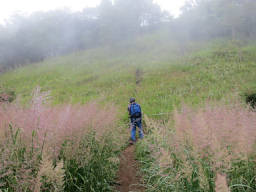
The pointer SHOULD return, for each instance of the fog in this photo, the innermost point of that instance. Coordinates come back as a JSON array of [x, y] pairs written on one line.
[[33, 38]]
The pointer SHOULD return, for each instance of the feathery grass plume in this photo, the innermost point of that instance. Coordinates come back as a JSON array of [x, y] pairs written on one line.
[[48, 177], [52, 125], [67, 133], [221, 184], [217, 129], [164, 159], [202, 143], [17, 165]]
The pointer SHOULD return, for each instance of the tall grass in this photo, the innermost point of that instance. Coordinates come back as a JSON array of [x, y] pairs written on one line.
[[211, 71], [209, 149], [60, 148]]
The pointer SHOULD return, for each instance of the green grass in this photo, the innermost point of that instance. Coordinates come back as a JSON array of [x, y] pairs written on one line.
[[92, 168], [109, 76], [208, 72]]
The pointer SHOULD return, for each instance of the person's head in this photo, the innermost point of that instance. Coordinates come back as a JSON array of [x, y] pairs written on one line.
[[132, 100]]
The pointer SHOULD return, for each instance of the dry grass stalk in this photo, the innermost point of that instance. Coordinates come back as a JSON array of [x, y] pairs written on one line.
[[49, 175], [45, 127], [217, 131], [52, 125], [221, 184], [208, 138]]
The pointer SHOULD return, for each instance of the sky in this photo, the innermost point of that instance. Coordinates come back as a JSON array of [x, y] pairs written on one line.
[[10, 7]]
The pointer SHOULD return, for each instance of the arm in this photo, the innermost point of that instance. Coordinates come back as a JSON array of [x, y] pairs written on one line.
[[141, 111], [128, 109]]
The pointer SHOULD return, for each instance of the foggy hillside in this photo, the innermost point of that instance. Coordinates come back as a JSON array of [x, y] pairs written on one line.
[[33, 38]]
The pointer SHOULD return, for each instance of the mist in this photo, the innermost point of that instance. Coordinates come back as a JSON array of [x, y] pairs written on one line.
[[34, 38]]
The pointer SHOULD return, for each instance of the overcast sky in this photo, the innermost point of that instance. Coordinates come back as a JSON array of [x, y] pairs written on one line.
[[9, 7]]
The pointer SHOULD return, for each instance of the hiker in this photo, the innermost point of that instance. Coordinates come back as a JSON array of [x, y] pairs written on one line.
[[135, 114]]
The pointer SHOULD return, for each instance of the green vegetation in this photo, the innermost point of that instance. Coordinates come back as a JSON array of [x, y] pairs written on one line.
[[210, 149], [27, 169], [63, 119], [58, 148], [216, 73], [161, 81]]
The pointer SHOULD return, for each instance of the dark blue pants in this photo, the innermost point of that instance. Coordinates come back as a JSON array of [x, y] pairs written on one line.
[[136, 123]]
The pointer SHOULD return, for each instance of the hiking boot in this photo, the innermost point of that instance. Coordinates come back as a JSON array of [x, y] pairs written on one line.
[[131, 142]]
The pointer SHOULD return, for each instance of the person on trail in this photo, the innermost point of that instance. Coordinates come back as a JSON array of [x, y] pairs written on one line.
[[135, 114]]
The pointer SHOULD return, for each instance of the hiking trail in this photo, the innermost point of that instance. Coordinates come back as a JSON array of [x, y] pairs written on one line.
[[129, 178], [128, 174]]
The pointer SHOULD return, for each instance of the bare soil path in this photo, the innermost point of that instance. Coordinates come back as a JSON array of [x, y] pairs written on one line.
[[129, 179], [128, 175]]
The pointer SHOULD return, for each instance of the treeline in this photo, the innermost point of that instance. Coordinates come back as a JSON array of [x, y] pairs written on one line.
[[207, 19], [27, 39]]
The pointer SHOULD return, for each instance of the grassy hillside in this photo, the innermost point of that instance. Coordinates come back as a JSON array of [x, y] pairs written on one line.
[[163, 76]]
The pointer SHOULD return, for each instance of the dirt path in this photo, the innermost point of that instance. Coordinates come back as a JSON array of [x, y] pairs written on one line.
[[138, 76], [128, 177]]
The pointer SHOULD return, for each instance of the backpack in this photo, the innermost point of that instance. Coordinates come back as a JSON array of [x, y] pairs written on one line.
[[135, 110]]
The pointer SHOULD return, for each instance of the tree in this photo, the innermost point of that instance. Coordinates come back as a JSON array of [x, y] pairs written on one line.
[[125, 18]]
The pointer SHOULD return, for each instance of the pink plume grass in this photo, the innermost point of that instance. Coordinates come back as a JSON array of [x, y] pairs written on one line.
[[53, 124], [224, 132]]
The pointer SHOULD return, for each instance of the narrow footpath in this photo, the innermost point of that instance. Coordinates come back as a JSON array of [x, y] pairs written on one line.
[[128, 175], [129, 178]]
